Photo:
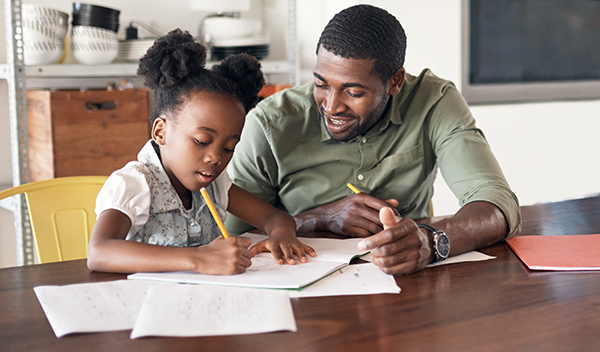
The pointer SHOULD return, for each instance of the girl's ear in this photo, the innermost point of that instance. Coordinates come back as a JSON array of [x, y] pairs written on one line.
[[158, 130]]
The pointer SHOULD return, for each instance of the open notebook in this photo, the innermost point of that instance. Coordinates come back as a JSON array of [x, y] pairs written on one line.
[[332, 254]]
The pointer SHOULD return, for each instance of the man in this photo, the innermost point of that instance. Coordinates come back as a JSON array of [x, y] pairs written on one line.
[[364, 120]]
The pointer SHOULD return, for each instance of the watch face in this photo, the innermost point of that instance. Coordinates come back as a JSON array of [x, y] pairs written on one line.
[[443, 245]]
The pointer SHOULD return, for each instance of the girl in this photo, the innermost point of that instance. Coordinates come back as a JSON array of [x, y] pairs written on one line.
[[151, 216]]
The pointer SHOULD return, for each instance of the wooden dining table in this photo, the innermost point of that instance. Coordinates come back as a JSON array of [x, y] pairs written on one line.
[[492, 305]]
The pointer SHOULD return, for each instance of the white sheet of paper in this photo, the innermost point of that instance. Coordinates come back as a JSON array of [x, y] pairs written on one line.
[[356, 279], [472, 256], [200, 310], [264, 273], [93, 307]]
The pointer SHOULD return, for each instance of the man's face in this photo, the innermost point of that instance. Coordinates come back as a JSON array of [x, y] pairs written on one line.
[[351, 99]]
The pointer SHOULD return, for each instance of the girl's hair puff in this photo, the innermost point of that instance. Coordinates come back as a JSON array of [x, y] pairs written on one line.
[[174, 68]]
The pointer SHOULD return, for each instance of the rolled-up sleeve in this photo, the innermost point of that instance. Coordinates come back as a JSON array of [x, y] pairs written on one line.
[[466, 161]]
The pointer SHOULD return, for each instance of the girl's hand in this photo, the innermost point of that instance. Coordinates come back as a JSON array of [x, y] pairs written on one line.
[[225, 256], [278, 225], [283, 247]]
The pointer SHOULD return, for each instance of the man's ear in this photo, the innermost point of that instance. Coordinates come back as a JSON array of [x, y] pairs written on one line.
[[158, 130], [397, 81]]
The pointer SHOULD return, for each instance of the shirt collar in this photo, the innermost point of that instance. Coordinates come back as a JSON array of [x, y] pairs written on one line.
[[165, 197]]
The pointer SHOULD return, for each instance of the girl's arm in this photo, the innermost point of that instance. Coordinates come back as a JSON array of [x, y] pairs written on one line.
[[110, 252], [278, 225]]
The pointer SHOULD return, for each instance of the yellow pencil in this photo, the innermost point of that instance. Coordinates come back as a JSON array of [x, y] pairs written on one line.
[[214, 213], [352, 188]]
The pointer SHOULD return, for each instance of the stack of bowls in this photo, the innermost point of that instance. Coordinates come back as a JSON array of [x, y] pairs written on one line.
[[227, 36], [94, 33], [44, 30]]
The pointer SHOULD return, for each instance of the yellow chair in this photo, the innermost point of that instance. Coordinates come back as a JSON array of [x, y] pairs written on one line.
[[61, 212]]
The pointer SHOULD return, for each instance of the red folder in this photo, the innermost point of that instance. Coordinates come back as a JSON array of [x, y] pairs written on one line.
[[573, 252]]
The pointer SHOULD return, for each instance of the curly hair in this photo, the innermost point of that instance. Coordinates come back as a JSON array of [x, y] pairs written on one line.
[[366, 32], [174, 68]]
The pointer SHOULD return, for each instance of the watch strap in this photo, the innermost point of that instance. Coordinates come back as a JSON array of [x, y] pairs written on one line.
[[429, 227]]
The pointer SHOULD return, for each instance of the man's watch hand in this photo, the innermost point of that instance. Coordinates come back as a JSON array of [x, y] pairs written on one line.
[[441, 242]]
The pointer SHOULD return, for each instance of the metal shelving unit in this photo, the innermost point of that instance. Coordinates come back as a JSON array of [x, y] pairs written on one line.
[[16, 74], [121, 69], [16, 82]]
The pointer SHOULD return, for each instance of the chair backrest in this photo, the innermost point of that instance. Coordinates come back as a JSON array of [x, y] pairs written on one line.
[[61, 212]]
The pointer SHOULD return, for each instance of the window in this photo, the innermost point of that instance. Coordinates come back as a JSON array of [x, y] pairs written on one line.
[[530, 50]]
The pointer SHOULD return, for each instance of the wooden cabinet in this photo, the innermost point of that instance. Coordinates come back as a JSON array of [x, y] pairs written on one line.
[[94, 132]]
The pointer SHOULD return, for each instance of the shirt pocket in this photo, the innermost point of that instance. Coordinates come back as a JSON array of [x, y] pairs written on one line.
[[400, 176], [400, 162]]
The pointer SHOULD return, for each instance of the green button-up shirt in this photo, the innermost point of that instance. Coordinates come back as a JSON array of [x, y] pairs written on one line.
[[287, 158]]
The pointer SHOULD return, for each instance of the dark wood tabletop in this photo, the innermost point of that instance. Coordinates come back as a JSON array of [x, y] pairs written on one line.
[[494, 305]]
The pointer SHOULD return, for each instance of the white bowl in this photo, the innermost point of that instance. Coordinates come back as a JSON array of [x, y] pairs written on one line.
[[42, 11], [40, 30], [94, 57], [223, 28], [94, 53], [93, 45], [42, 53], [93, 34], [51, 19]]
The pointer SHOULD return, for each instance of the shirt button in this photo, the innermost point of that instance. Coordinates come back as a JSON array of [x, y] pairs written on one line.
[[364, 140], [360, 177]]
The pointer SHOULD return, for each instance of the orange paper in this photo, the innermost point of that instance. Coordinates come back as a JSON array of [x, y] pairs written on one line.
[[573, 252]]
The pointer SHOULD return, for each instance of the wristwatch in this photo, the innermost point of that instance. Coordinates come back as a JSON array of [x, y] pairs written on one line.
[[441, 243]]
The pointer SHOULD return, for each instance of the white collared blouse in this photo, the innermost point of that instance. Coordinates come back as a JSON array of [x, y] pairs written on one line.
[[142, 191]]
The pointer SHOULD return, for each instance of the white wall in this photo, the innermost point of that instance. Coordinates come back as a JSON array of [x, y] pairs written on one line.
[[548, 151]]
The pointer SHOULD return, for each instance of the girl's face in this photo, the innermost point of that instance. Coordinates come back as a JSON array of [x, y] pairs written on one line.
[[197, 144]]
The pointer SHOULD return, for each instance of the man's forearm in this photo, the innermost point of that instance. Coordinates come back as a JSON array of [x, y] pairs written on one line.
[[476, 225]]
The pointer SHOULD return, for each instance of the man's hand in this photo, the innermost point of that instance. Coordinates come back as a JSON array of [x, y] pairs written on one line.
[[354, 216], [401, 248]]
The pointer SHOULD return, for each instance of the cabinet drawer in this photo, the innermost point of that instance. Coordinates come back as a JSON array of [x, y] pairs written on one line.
[[93, 107], [75, 133]]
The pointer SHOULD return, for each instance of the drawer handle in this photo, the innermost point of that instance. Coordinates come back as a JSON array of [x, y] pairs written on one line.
[[109, 105]]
